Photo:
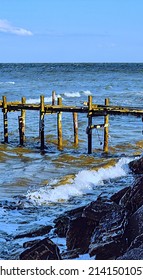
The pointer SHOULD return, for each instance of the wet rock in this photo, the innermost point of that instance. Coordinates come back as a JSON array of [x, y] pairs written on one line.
[[96, 210], [62, 222], [43, 250], [107, 240], [137, 242], [38, 232], [106, 251], [31, 243], [137, 166], [117, 196], [79, 234], [133, 254], [72, 254], [135, 225], [61, 225], [133, 198]]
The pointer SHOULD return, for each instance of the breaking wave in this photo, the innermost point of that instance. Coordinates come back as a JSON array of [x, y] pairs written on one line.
[[84, 182], [10, 83], [77, 93], [37, 100]]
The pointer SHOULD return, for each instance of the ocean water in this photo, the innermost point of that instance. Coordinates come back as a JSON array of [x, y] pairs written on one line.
[[37, 187]]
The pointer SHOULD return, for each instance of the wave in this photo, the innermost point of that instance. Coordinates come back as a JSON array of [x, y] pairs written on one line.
[[77, 93], [10, 83], [66, 94], [72, 94], [37, 100], [84, 182]]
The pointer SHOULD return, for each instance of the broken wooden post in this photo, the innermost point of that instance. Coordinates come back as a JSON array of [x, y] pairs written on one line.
[[89, 124], [53, 97], [41, 130], [5, 119], [23, 115], [21, 134], [59, 126], [75, 125], [106, 129]]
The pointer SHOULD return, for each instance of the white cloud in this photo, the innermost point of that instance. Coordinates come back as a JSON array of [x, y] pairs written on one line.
[[7, 27]]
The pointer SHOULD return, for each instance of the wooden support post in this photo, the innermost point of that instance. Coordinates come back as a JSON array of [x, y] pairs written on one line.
[[23, 114], [106, 129], [5, 120], [75, 125], [41, 130], [59, 126], [21, 134], [90, 124], [53, 97]]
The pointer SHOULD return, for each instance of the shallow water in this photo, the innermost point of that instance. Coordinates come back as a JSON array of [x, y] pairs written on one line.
[[36, 187]]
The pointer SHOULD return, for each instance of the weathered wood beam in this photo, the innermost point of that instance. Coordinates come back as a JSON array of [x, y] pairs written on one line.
[[5, 119], [90, 124], [106, 129]]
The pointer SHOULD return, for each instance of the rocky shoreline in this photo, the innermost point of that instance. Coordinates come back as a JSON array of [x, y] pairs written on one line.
[[108, 228]]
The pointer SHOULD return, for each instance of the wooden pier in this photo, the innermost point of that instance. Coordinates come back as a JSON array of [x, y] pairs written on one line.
[[88, 108]]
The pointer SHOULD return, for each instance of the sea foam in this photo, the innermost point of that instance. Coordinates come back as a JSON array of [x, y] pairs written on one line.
[[37, 100], [10, 83], [77, 93], [84, 182]]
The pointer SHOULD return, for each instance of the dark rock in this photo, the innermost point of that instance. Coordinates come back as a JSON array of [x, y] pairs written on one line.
[[31, 243], [43, 250], [137, 166], [38, 232], [133, 198], [137, 242], [133, 254], [117, 196], [72, 254], [135, 225], [79, 234], [61, 225], [108, 238], [105, 251], [97, 209], [62, 222]]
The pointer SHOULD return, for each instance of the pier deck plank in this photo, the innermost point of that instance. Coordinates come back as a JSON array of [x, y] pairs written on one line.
[[96, 109]]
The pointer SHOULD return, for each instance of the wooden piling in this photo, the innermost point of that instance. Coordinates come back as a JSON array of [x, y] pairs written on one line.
[[53, 98], [92, 110], [89, 124], [75, 125], [21, 134], [41, 128], [106, 129], [59, 126], [23, 115], [5, 119]]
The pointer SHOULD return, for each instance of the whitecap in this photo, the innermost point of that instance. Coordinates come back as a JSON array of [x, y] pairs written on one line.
[[77, 93], [83, 183], [10, 83], [72, 94], [37, 100]]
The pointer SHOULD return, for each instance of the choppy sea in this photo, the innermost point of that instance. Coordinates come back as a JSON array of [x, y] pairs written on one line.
[[37, 187]]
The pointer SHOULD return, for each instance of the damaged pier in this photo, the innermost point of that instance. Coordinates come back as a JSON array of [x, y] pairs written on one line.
[[90, 109]]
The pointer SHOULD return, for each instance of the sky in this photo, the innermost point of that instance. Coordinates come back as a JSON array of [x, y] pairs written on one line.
[[71, 31]]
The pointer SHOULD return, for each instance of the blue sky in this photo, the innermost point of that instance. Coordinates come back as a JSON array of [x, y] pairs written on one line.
[[71, 31]]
